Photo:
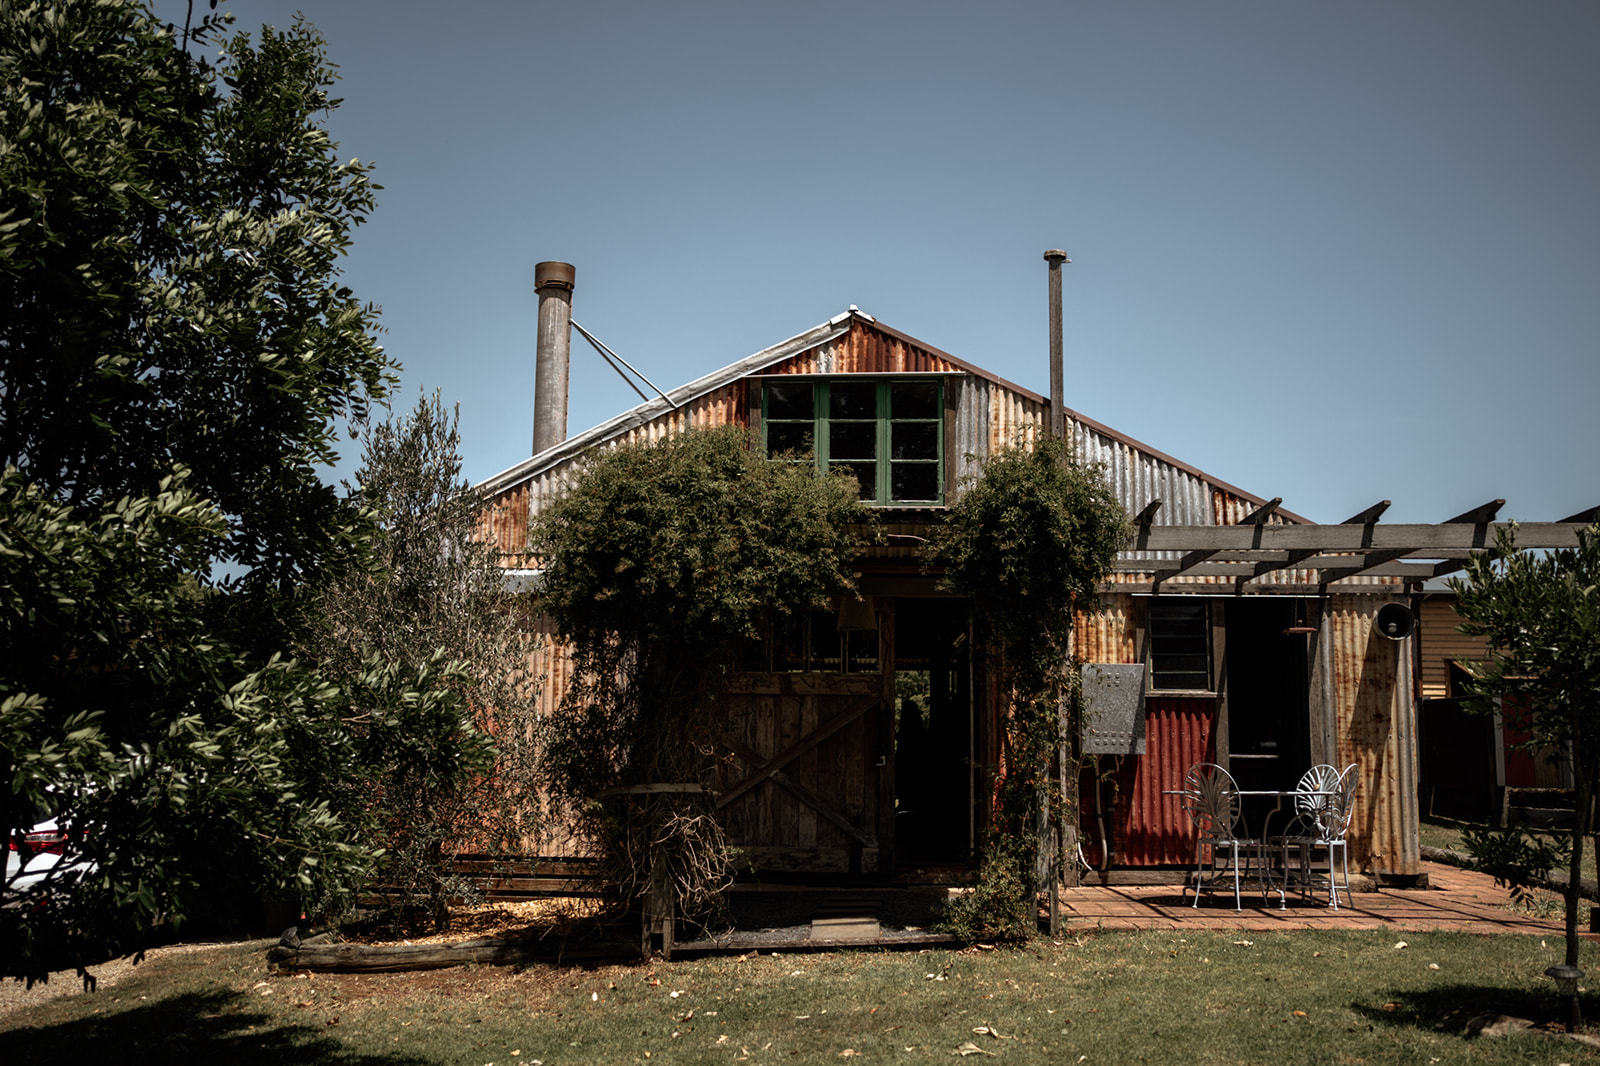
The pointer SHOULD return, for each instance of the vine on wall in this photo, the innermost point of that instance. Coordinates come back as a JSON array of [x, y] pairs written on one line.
[[1026, 543]]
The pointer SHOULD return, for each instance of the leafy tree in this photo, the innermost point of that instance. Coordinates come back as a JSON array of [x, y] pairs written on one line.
[[167, 753], [431, 778], [175, 357], [661, 563], [1026, 543], [169, 234], [1541, 613]]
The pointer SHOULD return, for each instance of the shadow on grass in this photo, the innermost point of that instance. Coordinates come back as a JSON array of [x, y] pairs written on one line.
[[192, 1027], [1468, 1008]]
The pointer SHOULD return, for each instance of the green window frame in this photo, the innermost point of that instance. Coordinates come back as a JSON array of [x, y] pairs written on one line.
[[887, 432]]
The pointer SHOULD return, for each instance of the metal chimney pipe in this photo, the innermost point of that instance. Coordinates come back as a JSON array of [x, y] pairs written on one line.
[[1058, 414], [552, 353]]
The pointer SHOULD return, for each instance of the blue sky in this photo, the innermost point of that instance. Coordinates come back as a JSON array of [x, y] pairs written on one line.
[[1333, 252]]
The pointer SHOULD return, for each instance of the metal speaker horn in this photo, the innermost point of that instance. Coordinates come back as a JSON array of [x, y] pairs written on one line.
[[1396, 621]]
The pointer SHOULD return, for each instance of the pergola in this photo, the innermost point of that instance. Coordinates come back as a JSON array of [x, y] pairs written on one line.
[[1261, 556]]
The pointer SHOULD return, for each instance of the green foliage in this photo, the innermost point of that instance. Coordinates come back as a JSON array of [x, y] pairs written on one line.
[[1026, 543], [168, 243], [175, 359], [167, 753], [1541, 613], [1513, 858], [998, 905], [450, 769], [660, 564]]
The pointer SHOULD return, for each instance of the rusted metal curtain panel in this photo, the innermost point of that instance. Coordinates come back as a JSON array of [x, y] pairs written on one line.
[[1147, 828], [1376, 731]]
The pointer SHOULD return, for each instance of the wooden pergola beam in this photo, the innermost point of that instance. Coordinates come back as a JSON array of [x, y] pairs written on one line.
[[1478, 515], [1259, 516], [1369, 516], [1422, 541]]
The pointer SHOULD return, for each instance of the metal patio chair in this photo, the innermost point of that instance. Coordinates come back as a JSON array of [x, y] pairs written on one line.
[[1211, 799], [1322, 821]]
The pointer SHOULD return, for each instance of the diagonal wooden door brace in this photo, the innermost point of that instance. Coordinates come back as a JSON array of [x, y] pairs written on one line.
[[806, 796], [827, 729]]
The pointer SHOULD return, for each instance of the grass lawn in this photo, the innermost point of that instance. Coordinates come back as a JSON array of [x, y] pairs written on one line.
[[1280, 999]]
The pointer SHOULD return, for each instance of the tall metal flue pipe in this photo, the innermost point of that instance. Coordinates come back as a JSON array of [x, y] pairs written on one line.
[[1058, 417], [552, 353]]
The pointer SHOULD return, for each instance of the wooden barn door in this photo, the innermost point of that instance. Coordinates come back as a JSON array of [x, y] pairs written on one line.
[[807, 776]]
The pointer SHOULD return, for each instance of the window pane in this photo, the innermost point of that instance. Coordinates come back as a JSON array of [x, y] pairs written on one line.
[[914, 440], [788, 437], [1180, 644], [853, 399], [866, 475], [852, 440], [791, 401], [914, 399], [914, 481], [861, 651]]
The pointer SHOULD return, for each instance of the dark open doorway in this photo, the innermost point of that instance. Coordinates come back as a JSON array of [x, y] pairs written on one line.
[[933, 732], [1269, 726]]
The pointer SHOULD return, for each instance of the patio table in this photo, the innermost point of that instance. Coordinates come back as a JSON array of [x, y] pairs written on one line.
[[1264, 875]]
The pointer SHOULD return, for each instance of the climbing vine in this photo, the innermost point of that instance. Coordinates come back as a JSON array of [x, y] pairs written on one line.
[[1025, 544], [660, 565]]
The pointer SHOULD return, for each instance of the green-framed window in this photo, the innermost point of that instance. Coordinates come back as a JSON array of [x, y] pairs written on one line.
[[887, 432]]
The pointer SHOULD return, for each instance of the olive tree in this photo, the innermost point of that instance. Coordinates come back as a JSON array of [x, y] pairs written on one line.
[[429, 780], [1541, 613]]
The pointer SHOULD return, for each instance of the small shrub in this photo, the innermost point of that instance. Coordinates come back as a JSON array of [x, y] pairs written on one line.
[[1000, 903], [1514, 859]]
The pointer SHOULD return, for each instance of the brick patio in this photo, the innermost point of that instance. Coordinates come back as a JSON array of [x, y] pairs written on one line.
[[1455, 899]]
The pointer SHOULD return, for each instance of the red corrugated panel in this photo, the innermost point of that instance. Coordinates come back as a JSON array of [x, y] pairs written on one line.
[[1149, 829]]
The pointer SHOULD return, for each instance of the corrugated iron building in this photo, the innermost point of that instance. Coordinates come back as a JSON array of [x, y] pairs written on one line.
[[1283, 673]]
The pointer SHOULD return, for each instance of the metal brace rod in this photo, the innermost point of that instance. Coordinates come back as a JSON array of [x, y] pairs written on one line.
[[608, 355]]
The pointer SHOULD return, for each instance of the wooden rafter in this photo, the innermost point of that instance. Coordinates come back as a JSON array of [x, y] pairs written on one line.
[[1243, 554]]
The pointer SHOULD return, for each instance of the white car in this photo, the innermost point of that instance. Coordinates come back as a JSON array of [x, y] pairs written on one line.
[[33, 855]]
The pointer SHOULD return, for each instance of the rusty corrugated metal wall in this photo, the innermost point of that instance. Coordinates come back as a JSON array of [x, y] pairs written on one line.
[[1148, 828], [1376, 730], [1108, 635], [989, 417], [1367, 694]]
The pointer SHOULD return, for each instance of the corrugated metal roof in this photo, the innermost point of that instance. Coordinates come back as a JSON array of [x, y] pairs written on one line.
[[993, 412], [650, 409]]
